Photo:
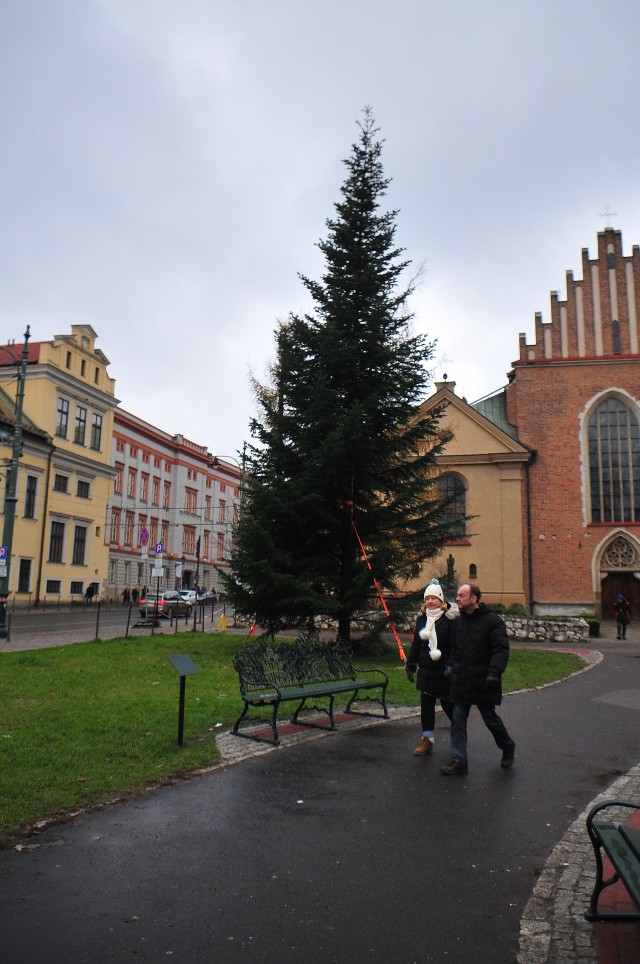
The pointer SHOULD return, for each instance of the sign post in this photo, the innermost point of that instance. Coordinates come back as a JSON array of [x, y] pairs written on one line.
[[157, 572], [185, 667]]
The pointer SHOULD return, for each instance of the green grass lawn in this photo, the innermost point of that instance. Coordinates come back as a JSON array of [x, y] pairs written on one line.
[[86, 723]]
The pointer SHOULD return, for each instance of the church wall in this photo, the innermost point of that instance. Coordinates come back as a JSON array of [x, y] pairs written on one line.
[[587, 350]]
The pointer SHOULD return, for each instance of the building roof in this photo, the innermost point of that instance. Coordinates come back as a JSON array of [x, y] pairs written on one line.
[[494, 407], [14, 349]]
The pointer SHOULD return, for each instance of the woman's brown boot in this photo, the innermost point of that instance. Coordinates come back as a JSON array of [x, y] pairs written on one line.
[[424, 748]]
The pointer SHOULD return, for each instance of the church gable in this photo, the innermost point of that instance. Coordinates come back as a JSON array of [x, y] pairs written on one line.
[[599, 316], [473, 434]]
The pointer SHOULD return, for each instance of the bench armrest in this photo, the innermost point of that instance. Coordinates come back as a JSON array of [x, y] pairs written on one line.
[[603, 806]]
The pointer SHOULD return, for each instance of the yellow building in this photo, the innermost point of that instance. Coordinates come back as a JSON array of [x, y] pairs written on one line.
[[65, 480], [484, 470]]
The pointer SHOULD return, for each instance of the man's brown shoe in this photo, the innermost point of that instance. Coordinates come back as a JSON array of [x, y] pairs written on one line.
[[424, 748], [454, 769]]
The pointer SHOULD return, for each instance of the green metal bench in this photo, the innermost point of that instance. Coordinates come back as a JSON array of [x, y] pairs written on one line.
[[304, 671], [621, 844]]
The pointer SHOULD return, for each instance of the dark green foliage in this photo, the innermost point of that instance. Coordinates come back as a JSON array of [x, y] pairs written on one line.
[[593, 623], [340, 434], [514, 609]]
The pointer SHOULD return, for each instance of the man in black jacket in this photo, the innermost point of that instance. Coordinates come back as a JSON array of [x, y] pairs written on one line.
[[479, 656]]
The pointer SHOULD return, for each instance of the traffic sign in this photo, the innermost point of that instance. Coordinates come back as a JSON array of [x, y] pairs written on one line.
[[159, 548], [3, 553], [144, 536]]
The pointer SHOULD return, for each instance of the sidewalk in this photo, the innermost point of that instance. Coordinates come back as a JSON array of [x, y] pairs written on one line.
[[553, 929]]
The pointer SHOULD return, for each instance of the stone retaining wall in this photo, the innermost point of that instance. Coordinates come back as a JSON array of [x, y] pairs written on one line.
[[569, 630]]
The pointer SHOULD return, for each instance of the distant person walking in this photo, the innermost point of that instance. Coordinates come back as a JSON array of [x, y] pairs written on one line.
[[134, 595], [125, 595], [89, 594], [429, 654], [622, 610], [479, 656]]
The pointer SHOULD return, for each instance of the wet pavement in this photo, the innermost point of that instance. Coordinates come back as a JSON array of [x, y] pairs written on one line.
[[342, 846]]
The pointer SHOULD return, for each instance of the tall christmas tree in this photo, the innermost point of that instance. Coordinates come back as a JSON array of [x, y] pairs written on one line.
[[339, 439]]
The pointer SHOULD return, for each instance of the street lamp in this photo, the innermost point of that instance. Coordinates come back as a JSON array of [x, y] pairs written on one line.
[[218, 460], [11, 485]]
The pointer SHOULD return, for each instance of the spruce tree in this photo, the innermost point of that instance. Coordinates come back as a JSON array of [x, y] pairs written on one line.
[[339, 437]]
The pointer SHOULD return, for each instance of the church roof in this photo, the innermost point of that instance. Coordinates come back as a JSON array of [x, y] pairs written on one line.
[[494, 407]]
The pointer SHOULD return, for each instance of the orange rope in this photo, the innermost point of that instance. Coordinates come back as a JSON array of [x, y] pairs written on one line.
[[401, 651]]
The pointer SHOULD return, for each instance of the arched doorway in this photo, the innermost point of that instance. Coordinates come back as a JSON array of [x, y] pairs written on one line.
[[618, 567]]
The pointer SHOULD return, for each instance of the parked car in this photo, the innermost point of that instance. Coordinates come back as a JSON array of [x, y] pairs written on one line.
[[194, 597], [190, 596], [170, 603]]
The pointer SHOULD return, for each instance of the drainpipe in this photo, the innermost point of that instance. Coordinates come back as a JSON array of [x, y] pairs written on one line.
[[45, 509], [529, 533]]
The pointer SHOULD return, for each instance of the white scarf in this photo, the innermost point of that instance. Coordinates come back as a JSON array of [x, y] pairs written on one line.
[[428, 632]]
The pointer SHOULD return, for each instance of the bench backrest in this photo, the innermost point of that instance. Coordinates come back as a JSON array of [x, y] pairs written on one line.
[[292, 664]]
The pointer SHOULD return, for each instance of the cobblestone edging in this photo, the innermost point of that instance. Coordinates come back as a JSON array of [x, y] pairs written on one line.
[[553, 929]]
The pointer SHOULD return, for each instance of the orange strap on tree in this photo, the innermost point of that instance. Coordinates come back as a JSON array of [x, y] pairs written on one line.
[[401, 651]]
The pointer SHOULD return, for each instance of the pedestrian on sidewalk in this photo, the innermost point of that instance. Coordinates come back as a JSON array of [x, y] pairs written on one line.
[[429, 654], [622, 609], [479, 656]]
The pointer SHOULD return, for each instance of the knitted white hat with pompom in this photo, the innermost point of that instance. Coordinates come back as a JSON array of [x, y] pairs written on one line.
[[434, 589]]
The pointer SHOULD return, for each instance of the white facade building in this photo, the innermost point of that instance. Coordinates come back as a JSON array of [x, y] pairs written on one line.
[[168, 491]]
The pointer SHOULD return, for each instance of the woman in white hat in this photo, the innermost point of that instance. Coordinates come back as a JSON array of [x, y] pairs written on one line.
[[429, 655]]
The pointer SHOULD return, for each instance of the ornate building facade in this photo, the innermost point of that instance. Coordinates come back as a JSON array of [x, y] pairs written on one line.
[[553, 490], [64, 474], [574, 398]]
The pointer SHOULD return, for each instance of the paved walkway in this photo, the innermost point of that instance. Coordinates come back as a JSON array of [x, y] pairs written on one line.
[[552, 927]]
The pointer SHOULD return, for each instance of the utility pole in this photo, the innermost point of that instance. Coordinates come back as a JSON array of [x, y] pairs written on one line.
[[10, 498]]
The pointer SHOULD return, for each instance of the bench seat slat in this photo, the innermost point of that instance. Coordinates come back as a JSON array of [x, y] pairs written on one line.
[[632, 836], [623, 859], [313, 689]]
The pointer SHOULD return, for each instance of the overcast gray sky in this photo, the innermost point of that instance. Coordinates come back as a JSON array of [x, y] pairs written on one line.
[[167, 167]]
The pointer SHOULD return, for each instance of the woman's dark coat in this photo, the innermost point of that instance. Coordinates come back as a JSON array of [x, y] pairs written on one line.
[[431, 678], [480, 649]]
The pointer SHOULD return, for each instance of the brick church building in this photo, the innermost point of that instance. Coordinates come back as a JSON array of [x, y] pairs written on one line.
[[569, 423]]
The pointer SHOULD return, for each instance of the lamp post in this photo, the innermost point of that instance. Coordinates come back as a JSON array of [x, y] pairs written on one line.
[[218, 459], [11, 485], [195, 606]]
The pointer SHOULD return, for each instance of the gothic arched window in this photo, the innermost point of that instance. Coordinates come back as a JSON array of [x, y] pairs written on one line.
[[454, 493], [614, 462]]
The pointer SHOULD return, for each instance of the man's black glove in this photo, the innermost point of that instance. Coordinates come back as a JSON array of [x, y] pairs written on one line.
[[409, 670], [447, 673], [491, 681]]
